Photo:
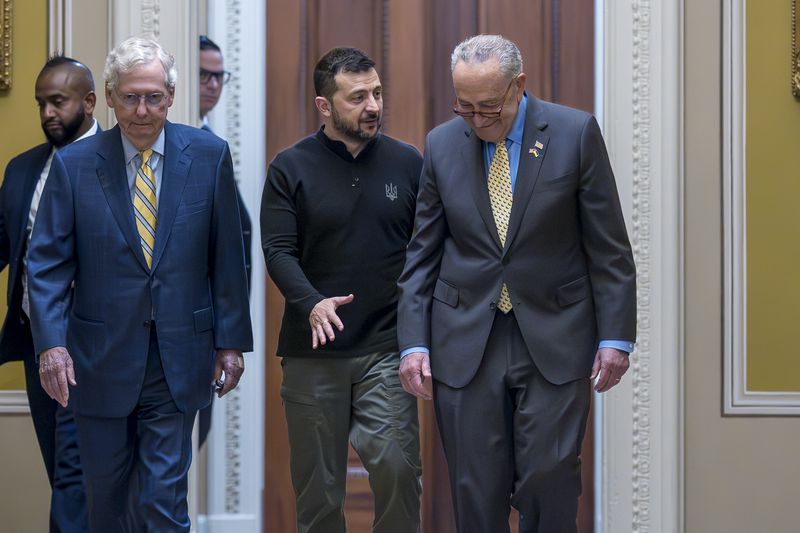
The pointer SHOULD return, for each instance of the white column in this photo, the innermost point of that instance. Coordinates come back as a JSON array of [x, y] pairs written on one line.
[[236, 442], [641, 430]]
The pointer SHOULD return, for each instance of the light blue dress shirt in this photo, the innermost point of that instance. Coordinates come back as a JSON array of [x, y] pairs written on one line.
[[133, 161], [514, 148]]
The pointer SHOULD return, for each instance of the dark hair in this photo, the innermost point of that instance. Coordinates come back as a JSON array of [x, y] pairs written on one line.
[[208, 44], [58, 60], [335, 61]]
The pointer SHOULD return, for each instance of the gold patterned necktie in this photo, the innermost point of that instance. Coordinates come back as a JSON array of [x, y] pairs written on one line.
[[501, 198], [144, 204]]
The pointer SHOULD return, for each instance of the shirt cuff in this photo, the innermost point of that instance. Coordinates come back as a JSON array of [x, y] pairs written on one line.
[[414, 349], [625, 346]]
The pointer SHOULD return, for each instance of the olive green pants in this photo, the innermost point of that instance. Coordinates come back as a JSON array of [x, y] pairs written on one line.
[[329, 402]]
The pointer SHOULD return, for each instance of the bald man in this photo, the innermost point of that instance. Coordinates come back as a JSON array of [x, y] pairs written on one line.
[[65, 96]]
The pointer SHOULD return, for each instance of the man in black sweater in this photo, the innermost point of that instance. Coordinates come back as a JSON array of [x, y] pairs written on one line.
[[336, 216]]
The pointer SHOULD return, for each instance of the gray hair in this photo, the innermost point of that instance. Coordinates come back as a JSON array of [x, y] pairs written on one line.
[[134, 52], [480, 48]]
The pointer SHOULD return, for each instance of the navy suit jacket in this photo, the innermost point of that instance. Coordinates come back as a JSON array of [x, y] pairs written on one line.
[[247, 224], [19, 182], [567, 261], [195, 295]]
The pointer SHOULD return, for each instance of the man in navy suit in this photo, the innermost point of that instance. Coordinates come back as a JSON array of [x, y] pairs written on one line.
[[519, 287], [140, 217], [65, 96]]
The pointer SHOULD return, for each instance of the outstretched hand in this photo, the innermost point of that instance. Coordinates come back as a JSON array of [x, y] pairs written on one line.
[[323, 319]]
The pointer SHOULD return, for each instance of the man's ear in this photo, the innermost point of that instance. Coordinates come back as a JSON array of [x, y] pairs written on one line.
[[323, 106], [89, 102], [109, 100], [521, 79]]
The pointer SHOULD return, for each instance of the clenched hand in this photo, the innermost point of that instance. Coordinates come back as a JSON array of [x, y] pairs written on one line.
[[232, 363]]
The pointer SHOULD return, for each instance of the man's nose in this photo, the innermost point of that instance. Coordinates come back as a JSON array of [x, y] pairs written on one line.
[[47, 111], [372, 104], [141, 107], [480, 121]]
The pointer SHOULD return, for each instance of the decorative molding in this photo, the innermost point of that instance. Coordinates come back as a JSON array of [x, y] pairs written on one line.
[[6, 36], [59, 22], [640, 427], [235, 481], [233, 456], [737, 398], [795, 53], [151, 22], [233, 90], [233, 133], [14, 402], [641, 173]]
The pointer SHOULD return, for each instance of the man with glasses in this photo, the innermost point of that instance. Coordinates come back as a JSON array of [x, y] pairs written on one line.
[[519, 287], [336, 215], [138, 293], [212, 77], [66, 99]]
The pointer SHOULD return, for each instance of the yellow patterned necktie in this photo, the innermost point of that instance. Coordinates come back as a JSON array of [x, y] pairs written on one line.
[[144, 204], [501, 198]]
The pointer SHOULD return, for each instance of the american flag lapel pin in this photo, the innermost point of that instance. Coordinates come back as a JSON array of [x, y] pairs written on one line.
[[535, 150]]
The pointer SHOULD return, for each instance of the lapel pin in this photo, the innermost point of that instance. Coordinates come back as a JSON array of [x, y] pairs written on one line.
[[534, 151], [538, 145]]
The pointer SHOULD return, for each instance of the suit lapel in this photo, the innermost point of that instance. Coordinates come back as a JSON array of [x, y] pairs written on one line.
[[31, 179], [475, 173], [532, 154], [173, 179], [114, 179]]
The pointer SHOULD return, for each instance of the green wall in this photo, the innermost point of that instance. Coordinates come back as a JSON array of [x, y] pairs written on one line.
[[772, 202], [19, 117]]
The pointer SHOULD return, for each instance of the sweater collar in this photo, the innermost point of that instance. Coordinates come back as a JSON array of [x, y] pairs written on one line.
[[340, 149]]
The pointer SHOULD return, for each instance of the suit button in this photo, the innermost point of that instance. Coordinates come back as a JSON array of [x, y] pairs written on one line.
[[492, 306], [146, 323]]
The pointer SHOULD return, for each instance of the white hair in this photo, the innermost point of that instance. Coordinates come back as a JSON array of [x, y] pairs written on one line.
[[480, 48], [134, 52]]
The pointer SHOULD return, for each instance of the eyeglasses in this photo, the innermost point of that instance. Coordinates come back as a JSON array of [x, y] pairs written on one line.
[[222, 76], [495, 114], [131, 100]]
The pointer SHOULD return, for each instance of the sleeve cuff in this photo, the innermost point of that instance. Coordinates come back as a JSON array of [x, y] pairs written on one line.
[[625, 346], [413, 349]]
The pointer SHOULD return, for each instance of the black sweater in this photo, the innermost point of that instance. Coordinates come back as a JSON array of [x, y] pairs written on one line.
[[332, 225]]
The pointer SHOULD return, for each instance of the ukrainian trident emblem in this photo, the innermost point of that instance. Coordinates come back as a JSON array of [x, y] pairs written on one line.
[[391, 191]]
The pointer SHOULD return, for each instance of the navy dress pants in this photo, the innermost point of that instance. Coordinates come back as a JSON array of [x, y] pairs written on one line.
[[136, 467]]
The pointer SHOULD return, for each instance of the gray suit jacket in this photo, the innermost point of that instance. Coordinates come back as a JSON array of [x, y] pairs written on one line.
[[567, 261]]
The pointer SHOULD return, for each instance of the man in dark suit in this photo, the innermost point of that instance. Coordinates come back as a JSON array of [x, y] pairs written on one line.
[[519, 286], [212, 77], [65, 96], [140, 218]]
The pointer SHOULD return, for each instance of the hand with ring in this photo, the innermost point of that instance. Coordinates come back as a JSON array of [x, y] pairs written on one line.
[[231, 364], [609, 366]]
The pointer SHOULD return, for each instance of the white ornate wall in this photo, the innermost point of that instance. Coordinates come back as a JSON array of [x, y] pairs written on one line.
[[236, 446], [640, 440]]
